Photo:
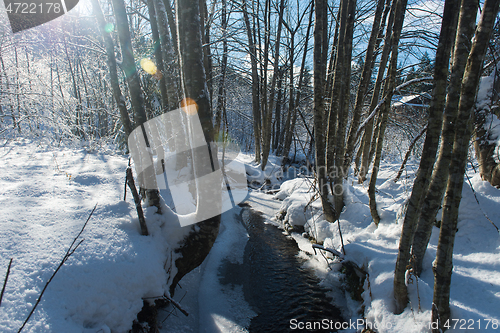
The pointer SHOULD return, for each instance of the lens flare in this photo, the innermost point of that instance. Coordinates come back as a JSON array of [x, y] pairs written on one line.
[[148, 66], [189, 106], [109, 27]]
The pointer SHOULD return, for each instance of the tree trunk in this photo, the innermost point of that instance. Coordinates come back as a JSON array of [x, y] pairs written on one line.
[[368, 132], [221, 97], [255, 85], [115, 85], [289, 133], [448, 28], [399, 14], [169, 55], [320, 47], [267, 117], [434, 196], [158, 55], [197, 244], [339, 108], [135, 91], [363, 83], [443, 265]]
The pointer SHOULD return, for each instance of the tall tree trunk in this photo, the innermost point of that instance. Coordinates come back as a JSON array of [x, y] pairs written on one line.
[[135, 90], [343, 111], [158, 55], [113, 74], [267, 117], [399, 14], [169, 54], [448, 28], [289, 133], [221, 97], [277, 117], [197, 244], [443, 265], [255, 85], [434, 196], [320, 48], [363, 83], [368, 132]]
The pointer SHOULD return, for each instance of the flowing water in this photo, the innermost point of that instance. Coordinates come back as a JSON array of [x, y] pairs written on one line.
[[275, 283]]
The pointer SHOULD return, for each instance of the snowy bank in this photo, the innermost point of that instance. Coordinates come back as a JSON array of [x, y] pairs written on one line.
[[475, 289]]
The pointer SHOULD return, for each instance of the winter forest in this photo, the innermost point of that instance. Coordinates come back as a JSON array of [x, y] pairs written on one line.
[[250, 166]]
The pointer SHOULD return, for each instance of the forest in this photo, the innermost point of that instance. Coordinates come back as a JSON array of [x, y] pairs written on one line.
[[165, 142]]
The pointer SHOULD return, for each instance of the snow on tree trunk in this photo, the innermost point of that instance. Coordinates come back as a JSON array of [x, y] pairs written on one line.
[[487, 129]]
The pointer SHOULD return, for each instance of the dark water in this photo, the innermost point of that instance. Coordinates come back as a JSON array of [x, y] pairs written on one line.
[[275, 284]]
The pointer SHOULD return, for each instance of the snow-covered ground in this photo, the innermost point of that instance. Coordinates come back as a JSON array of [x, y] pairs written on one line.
[[47, 194]]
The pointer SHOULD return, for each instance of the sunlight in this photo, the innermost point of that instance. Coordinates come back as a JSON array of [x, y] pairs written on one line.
[[148, 66], [189, 106]]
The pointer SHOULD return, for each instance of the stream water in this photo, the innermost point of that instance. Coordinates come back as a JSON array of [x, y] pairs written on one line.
[[275, 283]]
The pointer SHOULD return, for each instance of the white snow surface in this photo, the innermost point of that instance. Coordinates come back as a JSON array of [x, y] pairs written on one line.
[[47, 195]]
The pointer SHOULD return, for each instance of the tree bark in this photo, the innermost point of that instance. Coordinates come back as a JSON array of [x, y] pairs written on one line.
[[197, 244], [443, 265], [434, 196], [255, 85], [320, 48], [368, 132], [421, 183], [399, 14]]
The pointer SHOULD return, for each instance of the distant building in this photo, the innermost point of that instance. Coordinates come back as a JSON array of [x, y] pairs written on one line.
[[411, 106]]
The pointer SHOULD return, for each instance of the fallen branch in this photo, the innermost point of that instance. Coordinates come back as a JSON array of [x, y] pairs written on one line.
[[72, 248], [327, 249], [5, 281]]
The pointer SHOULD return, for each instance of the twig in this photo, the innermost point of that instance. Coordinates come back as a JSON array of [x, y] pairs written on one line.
[[177, 305], [341, 238], [5, 281], [477, 200], [72, 248], [407, 156]]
